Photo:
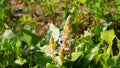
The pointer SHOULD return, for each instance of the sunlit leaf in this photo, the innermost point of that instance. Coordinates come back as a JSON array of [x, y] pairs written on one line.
[[83, 1], [51, 65], [36, 66], [75, 56], [46, 50], [118, 43], [55, 31], [58, 60], [93, 52], [18, 45], [8, 34], [20, 61], [108, 36], [80, 47]]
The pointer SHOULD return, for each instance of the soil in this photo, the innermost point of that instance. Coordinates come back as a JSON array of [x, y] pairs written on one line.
[[37, 12]]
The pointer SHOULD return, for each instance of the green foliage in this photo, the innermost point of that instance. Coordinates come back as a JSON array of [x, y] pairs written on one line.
[[96, 33], [108, 36], [53, 31], [30, 38], [75, 56]]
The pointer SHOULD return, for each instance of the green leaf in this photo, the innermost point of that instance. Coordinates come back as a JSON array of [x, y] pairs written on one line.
[[80, 47], [8, 34], [83, 1], [65, 15], [5, 45], [108, 36], [94, 52], [97, 31], [58, 60], [85, 45], [118, 43], [36, 66], [47, 37], [111, 63], [18, 45], [42, 60], [4, 62], [20, 61], [51, 65], [54, 31], [30, 38], [75, 56], [1, 25], [46, 49]]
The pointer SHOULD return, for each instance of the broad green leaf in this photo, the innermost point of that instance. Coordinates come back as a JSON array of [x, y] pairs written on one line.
[[47, 37], [75, 56], [55, 31], [8, 34], [42, 60], [46, 50], [50, 65], [30, 38], [58, 60], [83, 1], [20, 61], [108, 36]]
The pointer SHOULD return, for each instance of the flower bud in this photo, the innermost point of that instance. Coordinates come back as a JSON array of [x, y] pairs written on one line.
[[67, 26], [61, 54], [52, 44]]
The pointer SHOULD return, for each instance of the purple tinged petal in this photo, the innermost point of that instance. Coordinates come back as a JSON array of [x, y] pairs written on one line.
[[70, 42], [60, 38]]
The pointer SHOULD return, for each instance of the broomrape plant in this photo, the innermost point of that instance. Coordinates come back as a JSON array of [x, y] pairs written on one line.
[[96, 43], [65, 41]]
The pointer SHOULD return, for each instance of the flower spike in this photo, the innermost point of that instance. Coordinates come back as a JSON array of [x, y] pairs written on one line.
[[67, 26]]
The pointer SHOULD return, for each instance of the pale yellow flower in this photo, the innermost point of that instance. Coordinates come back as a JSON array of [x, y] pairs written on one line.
[[67, 26], [52, 44]]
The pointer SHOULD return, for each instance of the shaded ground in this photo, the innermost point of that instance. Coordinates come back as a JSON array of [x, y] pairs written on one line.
[[43, 16], [22, 8]]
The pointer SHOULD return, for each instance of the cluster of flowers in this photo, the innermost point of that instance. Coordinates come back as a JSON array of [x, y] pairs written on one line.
[[65, 41]]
